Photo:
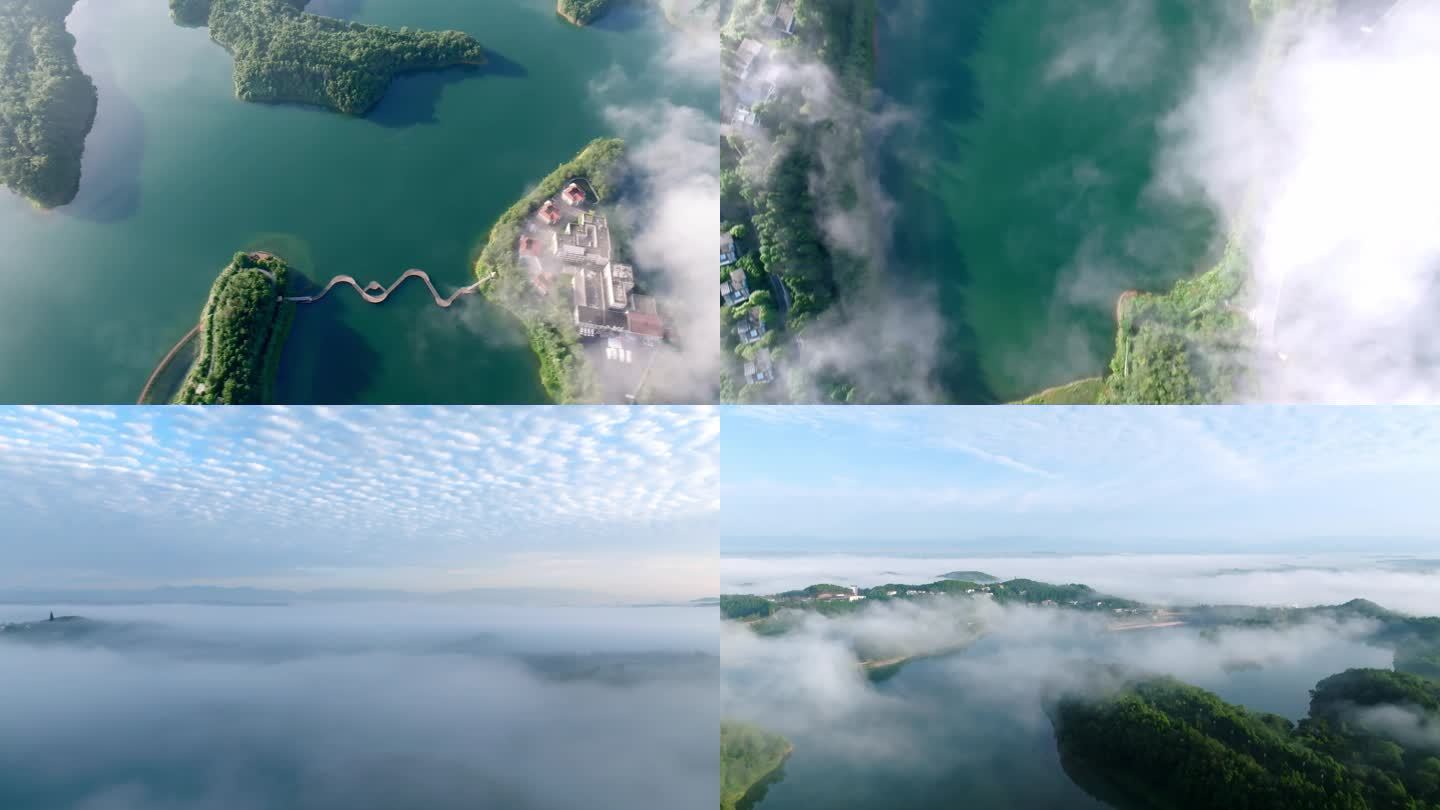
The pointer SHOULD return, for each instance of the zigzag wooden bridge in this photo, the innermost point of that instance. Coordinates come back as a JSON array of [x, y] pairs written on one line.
[[373, 293]]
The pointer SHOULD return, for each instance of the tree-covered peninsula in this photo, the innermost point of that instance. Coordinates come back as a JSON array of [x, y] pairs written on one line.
[[242, 333], [582, 12], [1159, 743], [750, 758], [548, 319], [47, 104], [283, 54]]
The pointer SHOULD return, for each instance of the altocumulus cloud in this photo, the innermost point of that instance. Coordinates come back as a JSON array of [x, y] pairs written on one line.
[[186, 492]]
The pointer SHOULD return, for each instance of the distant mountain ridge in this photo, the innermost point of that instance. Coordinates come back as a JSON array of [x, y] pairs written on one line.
[[257, 597]]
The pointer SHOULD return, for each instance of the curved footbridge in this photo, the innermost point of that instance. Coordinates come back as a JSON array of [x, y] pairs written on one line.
[[374, 293]]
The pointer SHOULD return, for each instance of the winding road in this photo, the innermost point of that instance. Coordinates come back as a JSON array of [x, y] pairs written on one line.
[[373, 293]]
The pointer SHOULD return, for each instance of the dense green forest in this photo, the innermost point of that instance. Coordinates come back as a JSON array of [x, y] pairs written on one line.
[[745, 606], [47, 104], [284, 54], [564, 370], [1159, 743], [775, 190], [242, 334], [749, 758]]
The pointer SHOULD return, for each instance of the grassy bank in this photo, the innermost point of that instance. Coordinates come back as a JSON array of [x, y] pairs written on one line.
[[564, 371]]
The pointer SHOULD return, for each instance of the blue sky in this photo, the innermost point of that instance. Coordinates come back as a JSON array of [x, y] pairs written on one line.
[[1080, 479], [622, 500]]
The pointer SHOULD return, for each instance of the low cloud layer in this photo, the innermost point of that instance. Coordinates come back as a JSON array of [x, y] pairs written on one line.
[[1320, 156], [882, 333], [1408, 725], [674, 198], [977, 719], [414, 714]]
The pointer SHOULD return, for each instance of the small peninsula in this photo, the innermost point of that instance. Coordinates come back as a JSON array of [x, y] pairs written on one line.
[[283, 54], [513, 269], [582, 12], [242, 333], [47, 103], [750, 759]]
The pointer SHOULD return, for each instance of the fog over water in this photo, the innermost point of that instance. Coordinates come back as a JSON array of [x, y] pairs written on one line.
[[358, 706], [972, 721]]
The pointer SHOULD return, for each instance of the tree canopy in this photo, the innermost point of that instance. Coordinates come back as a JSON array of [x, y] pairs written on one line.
[[242, 334], [47, 104], [749, 756], [1160, 743]]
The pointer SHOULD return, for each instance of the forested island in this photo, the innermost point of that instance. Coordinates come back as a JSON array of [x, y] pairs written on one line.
[[242, 334], [750, 759], [564, 371], [283, 54], [47, 104], [1159, 743]]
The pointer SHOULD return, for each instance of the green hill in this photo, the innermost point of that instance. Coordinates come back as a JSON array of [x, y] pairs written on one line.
[[1159, 743], [750, 758]]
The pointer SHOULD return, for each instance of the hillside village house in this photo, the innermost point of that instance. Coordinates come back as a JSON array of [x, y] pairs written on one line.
[[761, 370], [750, 328], [735, 290], [748, 56], [727, 250], [783, 20]]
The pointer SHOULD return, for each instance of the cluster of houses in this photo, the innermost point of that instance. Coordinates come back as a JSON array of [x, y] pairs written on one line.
[[735, 289], [568, 240], [753, 85]]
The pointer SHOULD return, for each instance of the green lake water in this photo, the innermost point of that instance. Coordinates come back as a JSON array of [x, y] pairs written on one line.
[[178, 175], [1026, 172]]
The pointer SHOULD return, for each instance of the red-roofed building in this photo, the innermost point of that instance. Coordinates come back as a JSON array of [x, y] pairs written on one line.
[[573, 194], [530, 246], [549, 213], [645, 324]]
